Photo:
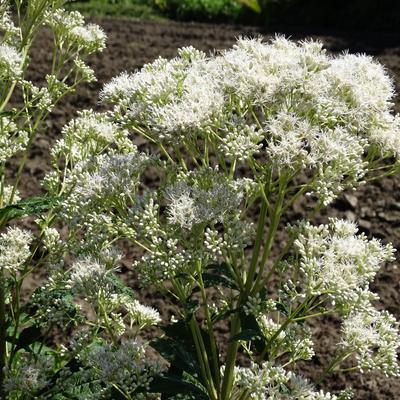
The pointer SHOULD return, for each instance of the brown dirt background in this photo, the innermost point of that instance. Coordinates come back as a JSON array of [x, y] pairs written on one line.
[[376, 206]]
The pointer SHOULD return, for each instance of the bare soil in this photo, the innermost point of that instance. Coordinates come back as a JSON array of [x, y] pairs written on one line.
[[376, 206]]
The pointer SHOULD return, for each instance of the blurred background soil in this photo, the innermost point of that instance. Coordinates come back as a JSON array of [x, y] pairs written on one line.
[[376, 207]]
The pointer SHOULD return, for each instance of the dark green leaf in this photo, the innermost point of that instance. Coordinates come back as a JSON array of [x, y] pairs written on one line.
[[119, 286], [215, 280], [31, 206], [222, 315], [246, 334], [178, 354], [253, 4], [27, 337], [171, 385], [282, 308], [249, 323]]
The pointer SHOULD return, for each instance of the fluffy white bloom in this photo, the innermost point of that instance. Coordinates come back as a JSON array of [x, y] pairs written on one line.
[[86, 269], [261, 382], [203, 195], [302, 389], [142, 315], [70, 26], [318, 112], [90, 134], [91, 37], [373, 335], [289, 140], [10, 31], [172, 98], [181, 210], [61, 19], [12, 140], [14, 248], [125, 366], [10, 62], [7, 192], [241, 141], [335, 260]]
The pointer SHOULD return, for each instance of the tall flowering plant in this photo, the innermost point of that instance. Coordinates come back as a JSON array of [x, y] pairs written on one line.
[[236, 139]]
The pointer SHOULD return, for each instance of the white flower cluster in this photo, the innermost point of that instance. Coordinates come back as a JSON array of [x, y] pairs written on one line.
[[214, 243], [268, 381], [14, 249], [8, 198], [29, 375], [90, 134], [202, 196], [374, 337], [88, 278], [100, 189], [142, 315], [240, 141], [260, 380], [124, 367], [292, 102], [12, 139], [70, 28], [301, 389], [172, 98], [10, 62], [166, 260], [295, 339], [338, 263], [10, 33], [334, 260]]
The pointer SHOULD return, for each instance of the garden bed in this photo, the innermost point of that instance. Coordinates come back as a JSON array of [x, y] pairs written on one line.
[[133, 43]]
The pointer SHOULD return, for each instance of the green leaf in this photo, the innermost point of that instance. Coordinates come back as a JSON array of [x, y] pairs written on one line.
[[179, 331], [178, 354], [27, 337], [253, 4], [215, 280], [31, 206], [249, 323], [246, 334], [119, 286], [171, 385], [223, 315]]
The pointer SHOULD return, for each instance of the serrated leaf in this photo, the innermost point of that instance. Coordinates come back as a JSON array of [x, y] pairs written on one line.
[[178, 354], [179, 331], [120, 286], [27, 337], [215, 280], [31, 206], [282, 308], [246, 334], [222, 315], [170, 385], [249, 323]]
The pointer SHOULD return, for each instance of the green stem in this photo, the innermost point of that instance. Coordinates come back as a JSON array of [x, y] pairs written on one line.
[[213, 345], [230, 362], [3, 333], [198, 343], [332, 365], [276, 217], [257, 245], [203, 358]]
